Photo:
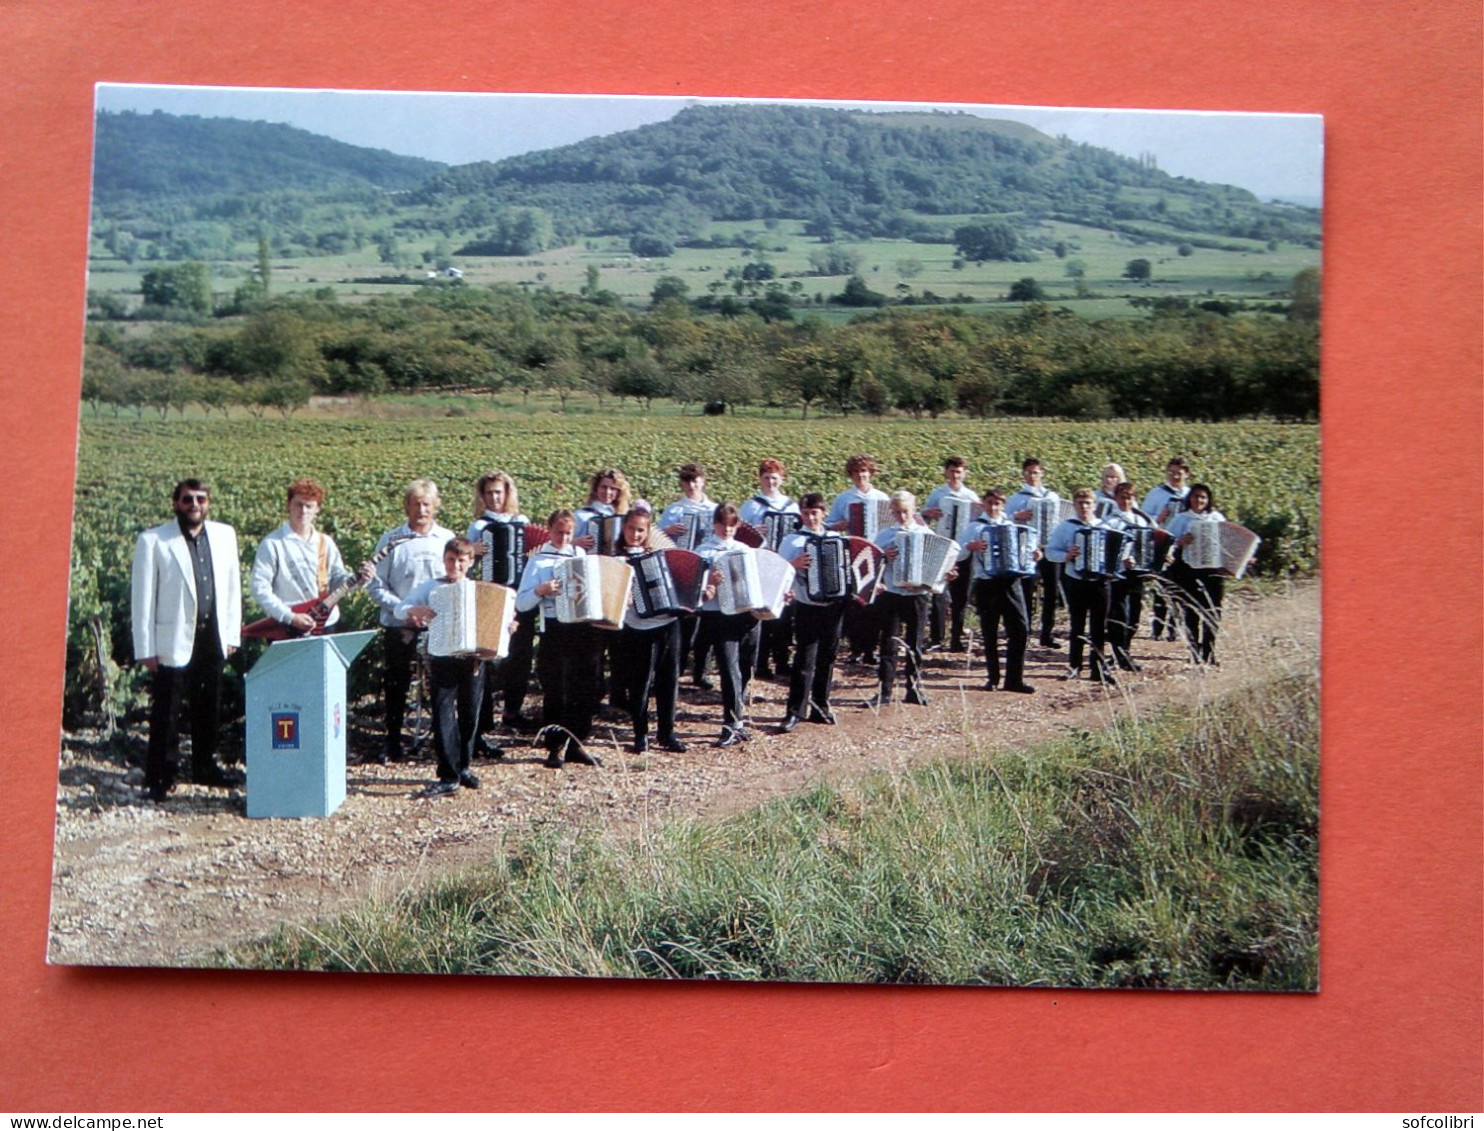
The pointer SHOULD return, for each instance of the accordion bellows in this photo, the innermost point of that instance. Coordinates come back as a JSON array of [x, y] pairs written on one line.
[[753, 581], [1222, 546], [923, 560], [471, 618], [594, 590]]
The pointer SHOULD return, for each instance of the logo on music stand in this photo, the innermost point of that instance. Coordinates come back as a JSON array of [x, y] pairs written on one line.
[[285, 730]]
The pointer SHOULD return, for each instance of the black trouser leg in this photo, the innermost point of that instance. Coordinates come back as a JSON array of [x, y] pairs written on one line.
[[817, 632], [515, 677], [167, 689], [204, 693], [400, 655], [1002, 599], [457, 691], [1050, 576]]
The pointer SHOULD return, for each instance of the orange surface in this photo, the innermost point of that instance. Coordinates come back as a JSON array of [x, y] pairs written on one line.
[[1397, 1025]]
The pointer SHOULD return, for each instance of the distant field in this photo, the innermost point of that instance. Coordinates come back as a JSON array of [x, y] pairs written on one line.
[[886, 266]]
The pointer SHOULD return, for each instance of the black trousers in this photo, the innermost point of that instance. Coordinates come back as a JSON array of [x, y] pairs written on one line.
[[1002, 600], [735, 638], [772, 649], [569, 665], [510, 678], [1048, 578], [400, 657], [949, 607], [1201, 594], [458, 686], [816, 643], [1126, 605], [199, 685], [1087, 606], [899, 628], [648, 660]]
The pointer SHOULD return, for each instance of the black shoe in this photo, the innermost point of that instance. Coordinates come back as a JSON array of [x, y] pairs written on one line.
[[880, 699], [991, 685], [495, 752], [576, 753], [1021, 688], [822, 715], [728, 737], [158, 792], [640, 745], [703, 684], [1050, 642], [916, 698], [762, 671], [553, 761], [957, 646], [673, 745], [790, 722], [440, 789], [469, 780], [213, 776], [380, 758]]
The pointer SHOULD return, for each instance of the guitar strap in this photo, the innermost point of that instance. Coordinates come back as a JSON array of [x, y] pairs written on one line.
[[324, 562]]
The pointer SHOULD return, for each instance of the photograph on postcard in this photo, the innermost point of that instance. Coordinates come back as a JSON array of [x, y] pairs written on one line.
[[694, 538]]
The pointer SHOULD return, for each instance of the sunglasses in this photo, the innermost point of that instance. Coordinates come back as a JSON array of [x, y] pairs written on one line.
[[193, 497]]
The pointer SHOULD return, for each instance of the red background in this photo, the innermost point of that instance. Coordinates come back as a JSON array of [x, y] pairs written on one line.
[[1397, 1025]]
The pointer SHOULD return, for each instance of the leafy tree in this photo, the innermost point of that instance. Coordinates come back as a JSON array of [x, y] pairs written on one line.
[[1185, 250], [857, 293], [186, 286], [1074, 269], [1138, 269], [651, 247], [992, 239], [1303, 306], [1027, 290], [835, 260], [668, 287]]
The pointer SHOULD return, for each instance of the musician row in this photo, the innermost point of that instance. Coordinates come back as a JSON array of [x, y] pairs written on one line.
[[699, 580]]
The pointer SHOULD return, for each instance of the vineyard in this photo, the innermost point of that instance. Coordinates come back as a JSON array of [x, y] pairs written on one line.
[[1265, 476]]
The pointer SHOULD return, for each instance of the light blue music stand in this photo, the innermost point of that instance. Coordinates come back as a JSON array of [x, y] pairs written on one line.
[[296, 723]]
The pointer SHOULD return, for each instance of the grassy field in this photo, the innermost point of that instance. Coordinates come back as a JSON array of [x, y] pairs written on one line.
[[1251, 273], [1178, 852]]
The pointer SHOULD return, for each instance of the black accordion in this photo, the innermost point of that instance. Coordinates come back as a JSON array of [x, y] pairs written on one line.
[[1143, 545], [606, 529], [505, 551], [829, 577], [1009, 551], [697, 529], [776, 526], [1099, 552], [667, 582]]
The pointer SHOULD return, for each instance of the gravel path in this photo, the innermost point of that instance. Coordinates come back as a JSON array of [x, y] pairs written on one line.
[[140, 885]]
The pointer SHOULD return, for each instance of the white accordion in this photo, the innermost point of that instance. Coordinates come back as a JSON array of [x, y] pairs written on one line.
[[1046, 514], [864, 519], [1218, 545], [594, 590], [923, 560], [471, 618], [1009, 551], [753, 581], [957, 515]]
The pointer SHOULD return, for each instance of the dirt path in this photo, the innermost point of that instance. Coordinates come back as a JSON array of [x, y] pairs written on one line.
[[138, 884]]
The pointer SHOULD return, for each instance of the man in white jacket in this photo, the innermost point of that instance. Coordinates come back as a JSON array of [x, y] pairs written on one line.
[[187, 619]]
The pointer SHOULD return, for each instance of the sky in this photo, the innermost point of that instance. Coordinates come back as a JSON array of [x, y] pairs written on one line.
[[1272, 155]]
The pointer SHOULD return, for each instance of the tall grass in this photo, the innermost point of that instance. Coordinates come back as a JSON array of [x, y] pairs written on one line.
[[1180, 851]]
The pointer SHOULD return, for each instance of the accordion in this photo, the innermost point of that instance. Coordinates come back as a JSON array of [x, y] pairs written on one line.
[[595, 590], [753, 581], [697, 529], [472, 618], [923, 560], [864, 519], [1009, 551], [1143, 547], [1221, 546], [1099, 552], [667, 582], [504, 552], [1104, 509], [828, 576], [865, 569], [1172, 507], [1046, 513], [957, 514], [776, 526]]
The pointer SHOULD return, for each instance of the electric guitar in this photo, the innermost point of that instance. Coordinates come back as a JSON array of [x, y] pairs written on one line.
[[319, 607]]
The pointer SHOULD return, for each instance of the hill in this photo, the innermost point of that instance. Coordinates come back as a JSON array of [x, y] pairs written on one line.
[[848, 173], [159, 156]]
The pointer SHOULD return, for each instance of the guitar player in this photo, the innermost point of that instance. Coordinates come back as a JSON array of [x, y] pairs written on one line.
[[297, 563]]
